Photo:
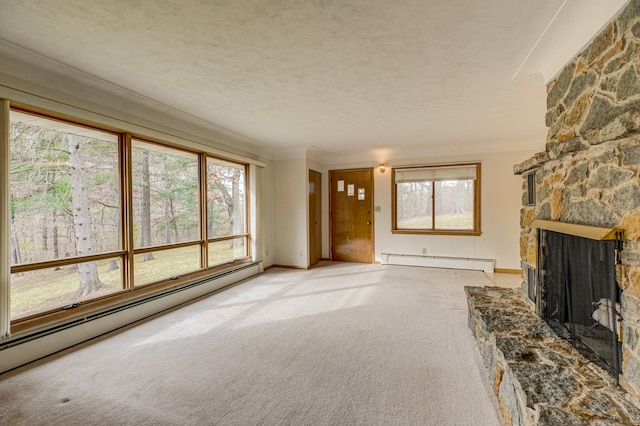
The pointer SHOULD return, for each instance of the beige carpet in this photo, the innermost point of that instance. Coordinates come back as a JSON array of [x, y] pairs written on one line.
[[341, 344]]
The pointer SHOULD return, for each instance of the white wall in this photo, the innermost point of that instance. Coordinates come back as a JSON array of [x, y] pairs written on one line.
[[290, 212], [268, 217], [501, 200]]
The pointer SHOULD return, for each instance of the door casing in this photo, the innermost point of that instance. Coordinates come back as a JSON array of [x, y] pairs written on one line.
[[315, 217]]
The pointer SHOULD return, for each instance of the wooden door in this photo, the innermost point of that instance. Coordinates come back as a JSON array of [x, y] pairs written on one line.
[[351, 203], [315, 217]]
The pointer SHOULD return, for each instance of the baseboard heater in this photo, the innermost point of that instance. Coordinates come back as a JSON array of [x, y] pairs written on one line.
[[474, 264], [23, 350]]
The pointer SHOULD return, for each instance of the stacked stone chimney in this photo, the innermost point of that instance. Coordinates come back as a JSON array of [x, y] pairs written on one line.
[[589, 173]]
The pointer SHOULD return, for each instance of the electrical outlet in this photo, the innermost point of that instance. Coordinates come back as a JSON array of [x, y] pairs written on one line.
[[301, 252], [424, 250]]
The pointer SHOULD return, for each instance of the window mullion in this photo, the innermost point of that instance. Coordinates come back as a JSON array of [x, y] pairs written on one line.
[[126, 178], [433, 206], [248, 243], [204, 211]]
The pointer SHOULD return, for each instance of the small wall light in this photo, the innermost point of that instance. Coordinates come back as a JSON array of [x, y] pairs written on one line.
[[382, 168]]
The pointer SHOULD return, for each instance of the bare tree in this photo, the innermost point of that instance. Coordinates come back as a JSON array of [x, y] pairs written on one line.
[[89, 280], [145, 219], [461, 187], [232, 201], [15, 247]]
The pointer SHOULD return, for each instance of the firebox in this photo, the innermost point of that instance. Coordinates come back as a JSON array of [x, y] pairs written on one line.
[[577, 291]]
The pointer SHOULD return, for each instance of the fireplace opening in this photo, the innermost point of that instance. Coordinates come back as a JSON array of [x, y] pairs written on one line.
[[578, 295]]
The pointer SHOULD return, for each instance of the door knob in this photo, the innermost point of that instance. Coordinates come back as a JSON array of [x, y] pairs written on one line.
[[368, 223]]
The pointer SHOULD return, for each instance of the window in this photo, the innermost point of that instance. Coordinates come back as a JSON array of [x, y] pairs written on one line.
[[531, 189], [226, 211], [443, 199], [65, 204], [165, 211], [97, 215]]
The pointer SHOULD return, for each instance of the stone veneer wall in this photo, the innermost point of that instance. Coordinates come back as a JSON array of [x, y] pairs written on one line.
[[590, 171]]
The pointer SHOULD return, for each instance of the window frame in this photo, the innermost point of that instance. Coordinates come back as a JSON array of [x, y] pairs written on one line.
[[131, 291], [476, 231]]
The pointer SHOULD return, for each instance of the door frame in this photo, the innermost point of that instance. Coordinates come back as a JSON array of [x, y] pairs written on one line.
[[318, 201], [372, 205]]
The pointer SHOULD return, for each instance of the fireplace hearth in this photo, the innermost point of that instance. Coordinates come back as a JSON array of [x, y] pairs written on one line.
[[540, 379]]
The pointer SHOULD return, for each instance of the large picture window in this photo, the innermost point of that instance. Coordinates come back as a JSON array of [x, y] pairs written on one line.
[[443, 199], [65, 204], [97, 215]]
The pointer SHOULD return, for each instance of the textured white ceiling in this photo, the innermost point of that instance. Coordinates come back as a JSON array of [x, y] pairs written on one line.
[[342, 76]]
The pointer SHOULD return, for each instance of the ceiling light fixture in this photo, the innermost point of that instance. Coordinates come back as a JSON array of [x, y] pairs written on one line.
[[382, 168]]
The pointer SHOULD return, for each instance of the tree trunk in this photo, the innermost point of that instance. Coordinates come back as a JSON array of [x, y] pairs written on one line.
[[460, 196], [232, 200], [167, 221], [56, 249], [113, 265], [15, 252], [45, 232], [89, 280], [237, 213], [173, 222], [145, 217]]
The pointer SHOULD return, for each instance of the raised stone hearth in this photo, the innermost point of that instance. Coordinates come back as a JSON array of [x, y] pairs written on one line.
[[539, 378]]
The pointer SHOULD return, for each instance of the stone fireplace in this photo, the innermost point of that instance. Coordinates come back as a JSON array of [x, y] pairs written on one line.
[[589, 173]]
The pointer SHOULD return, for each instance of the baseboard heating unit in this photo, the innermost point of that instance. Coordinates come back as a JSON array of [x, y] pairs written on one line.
[[485, 265], [28, 348]]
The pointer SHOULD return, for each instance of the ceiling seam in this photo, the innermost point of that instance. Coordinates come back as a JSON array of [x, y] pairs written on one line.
[[535, 45]]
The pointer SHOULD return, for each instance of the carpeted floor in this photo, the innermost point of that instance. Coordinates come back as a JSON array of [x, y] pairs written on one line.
[[340, 344]]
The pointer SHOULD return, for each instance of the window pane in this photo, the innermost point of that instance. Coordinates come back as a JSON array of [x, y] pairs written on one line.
[[65, 190], [225, 198], [162, 264], [413, 205], [165, 195], [226, 251], [46, 289], [454, 204]]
